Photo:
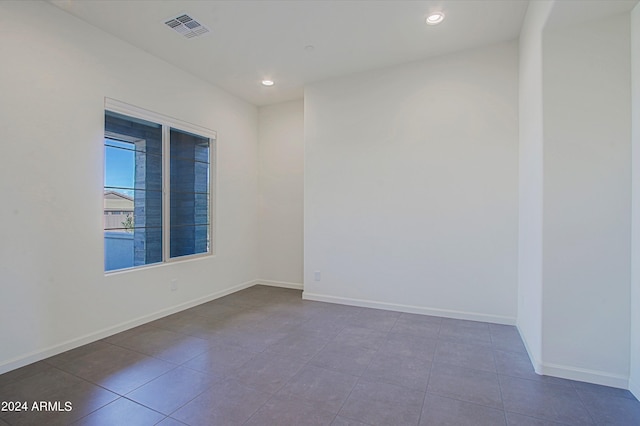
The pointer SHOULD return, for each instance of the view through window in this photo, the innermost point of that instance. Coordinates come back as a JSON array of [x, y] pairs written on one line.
[[157, 191]]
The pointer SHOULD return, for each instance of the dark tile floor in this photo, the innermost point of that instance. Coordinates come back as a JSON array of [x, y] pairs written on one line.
[[263, 356]]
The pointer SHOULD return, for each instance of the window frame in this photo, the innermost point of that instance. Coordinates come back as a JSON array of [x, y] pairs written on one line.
[[167, 123]]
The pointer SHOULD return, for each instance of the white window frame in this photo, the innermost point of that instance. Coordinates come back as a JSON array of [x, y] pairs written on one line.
[[167, 124]]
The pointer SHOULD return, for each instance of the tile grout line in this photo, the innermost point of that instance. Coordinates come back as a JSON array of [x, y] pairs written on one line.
[[360, 376], [426, 391], [586, 406], [495, 365]]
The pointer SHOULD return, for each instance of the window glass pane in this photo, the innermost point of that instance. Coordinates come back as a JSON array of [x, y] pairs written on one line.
[[132, 192], [181, 201], [189, 197], [119, 208], [127, 170], [189, 239], [120, 247], [119, 167], [118, 127]]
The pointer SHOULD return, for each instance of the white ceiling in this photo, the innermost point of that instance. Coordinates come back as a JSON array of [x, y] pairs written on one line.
[[253, 40]]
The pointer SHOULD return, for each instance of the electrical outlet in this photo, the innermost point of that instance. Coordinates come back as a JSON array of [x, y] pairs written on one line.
[[174, 284], [316, 276]]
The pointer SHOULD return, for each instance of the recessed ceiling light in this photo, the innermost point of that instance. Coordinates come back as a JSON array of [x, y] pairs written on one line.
[[267, 82], [435, 18]]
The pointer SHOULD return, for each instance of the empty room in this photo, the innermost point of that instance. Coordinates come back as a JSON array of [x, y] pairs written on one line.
[[320, 212]]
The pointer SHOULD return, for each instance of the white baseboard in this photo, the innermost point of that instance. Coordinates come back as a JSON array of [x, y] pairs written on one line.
[[575, 373], [39, 355], [585, 375], [472, 316], [635, 389], [283, 284]]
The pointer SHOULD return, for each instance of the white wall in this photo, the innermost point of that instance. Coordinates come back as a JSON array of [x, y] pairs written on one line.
[[411, 186], [634, 382], [530, 162], [586, 207], [53, 294], [281, 162]]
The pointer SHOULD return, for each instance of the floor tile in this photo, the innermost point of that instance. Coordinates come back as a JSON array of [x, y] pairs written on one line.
[[86, 397], [468, 331], [37, 418], [325, 388], [24, 372], [128, 333], [438, 411], [166, 345], [168, 421], [362, 337], [343, 357], [189, 325], [475, 386], [421, 325], [299, 345], [299, 311], [121, 412], [378, 403], [241, 299], [326, 328], [287, 410], [45, 385], [220, 360], [600, 390], [73, 354], [611, 410], [467, 355], [503, 330], [343, 421], [118, 369], [409, 345], [543, 400], [215, 310], [408, 371], [374, 319], [34, 418], [506, 338], [336, 312], [514, 419], [180, 316], [266, 356], [54, 385], [254, 337], [225, 403], [245, 317], [172, 390], [268, 372], [516, 364], [283, 317]]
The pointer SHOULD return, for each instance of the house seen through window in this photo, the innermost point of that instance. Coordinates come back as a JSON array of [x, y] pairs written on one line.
[[157, 190]]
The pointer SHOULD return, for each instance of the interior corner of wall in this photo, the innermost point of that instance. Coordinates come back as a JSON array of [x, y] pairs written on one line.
[[535, 362]]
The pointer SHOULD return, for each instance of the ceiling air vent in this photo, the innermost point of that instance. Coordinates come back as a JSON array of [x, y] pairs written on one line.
[[186, 26]]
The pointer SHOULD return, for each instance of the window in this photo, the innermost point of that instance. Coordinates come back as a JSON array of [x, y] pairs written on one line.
[[157, 188]]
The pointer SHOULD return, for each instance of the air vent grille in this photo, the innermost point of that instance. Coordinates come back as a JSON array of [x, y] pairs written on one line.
[[186, 26]]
